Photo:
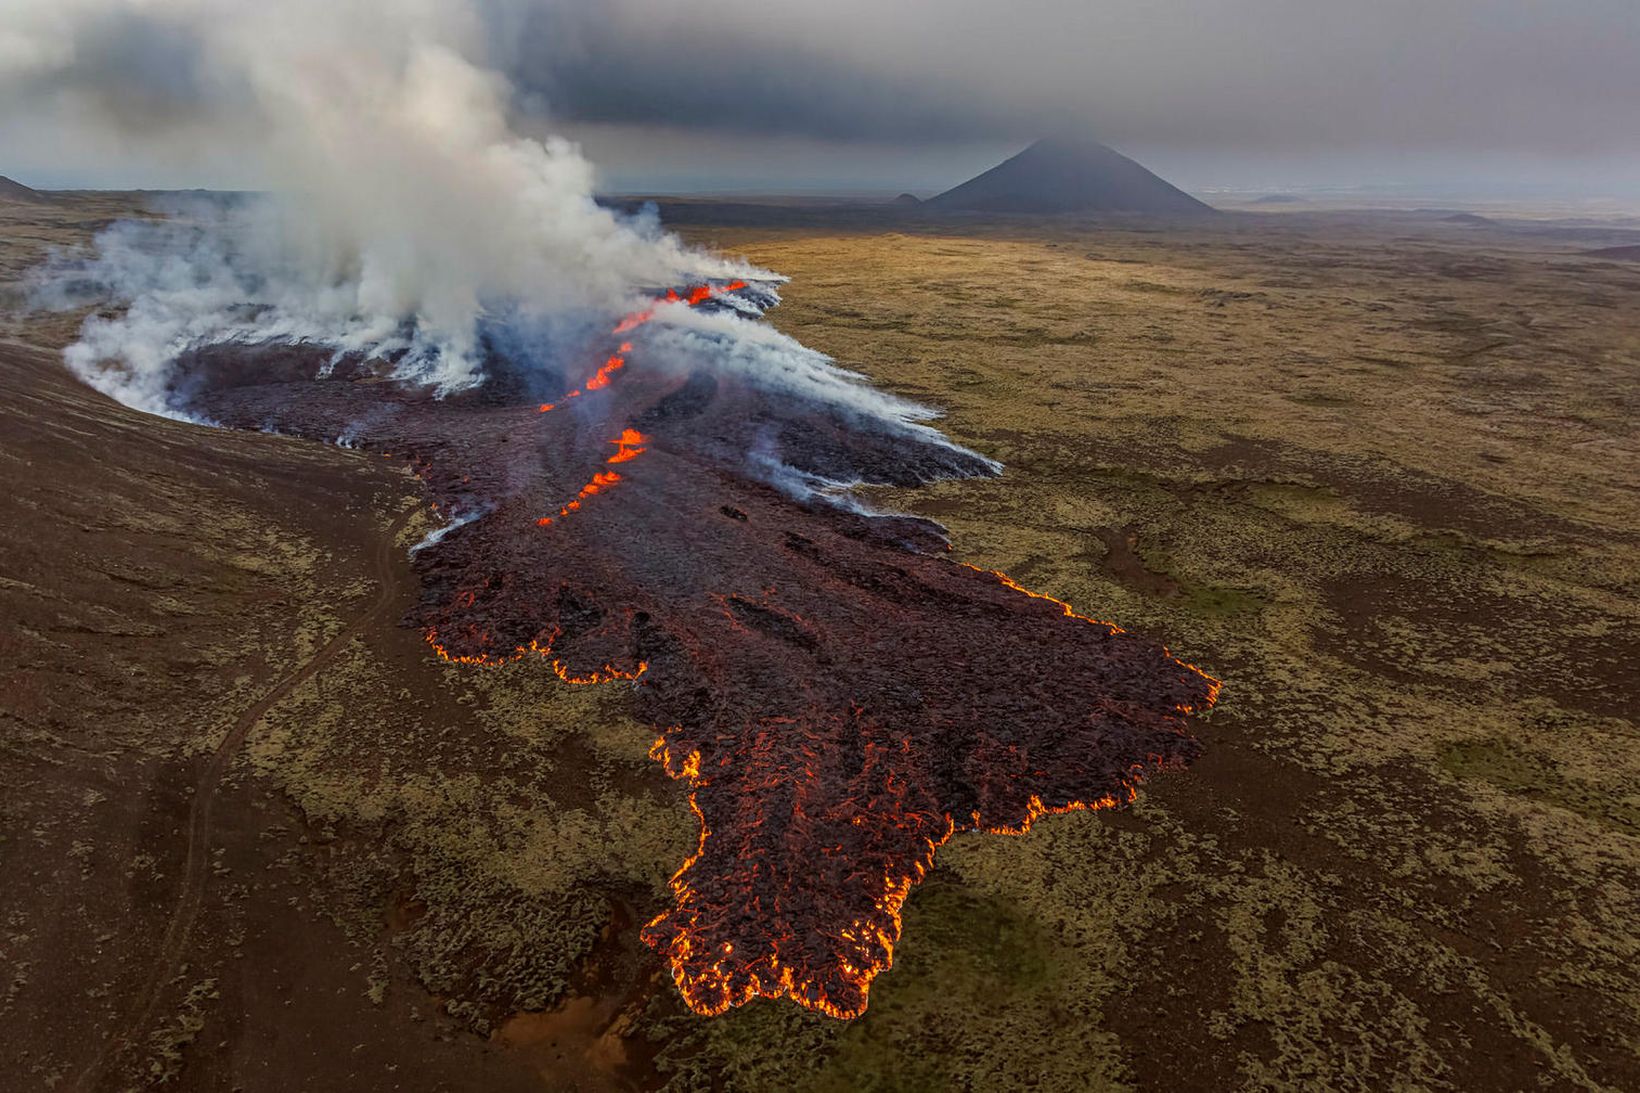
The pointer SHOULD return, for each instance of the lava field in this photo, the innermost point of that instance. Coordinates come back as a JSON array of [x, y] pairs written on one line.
[[839, 696]]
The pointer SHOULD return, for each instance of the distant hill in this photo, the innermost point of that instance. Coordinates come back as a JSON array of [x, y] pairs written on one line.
[[1059, 176], [1620, 254], [16, 191], [1281, 199], [909, 200]]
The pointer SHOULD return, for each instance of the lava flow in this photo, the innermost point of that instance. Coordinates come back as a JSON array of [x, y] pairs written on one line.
[[839, 697]]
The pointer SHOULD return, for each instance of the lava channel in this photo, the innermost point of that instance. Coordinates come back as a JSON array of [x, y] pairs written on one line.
[[837, 694]]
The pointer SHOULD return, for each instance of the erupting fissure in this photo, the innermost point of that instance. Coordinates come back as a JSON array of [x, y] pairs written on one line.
[[630, 440]]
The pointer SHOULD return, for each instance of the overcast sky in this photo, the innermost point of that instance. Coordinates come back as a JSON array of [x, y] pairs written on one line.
[[1492, 96]]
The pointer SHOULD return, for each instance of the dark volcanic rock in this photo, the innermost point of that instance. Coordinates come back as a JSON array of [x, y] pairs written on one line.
[[1060, 176], [838, 694]]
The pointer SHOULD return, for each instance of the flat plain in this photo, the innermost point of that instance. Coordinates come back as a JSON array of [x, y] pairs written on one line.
[[1376, 472]]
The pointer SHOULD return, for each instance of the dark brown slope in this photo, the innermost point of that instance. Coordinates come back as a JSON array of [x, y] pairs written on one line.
[[155, 600], [16, 191], [1618, 254], [1060, 176]]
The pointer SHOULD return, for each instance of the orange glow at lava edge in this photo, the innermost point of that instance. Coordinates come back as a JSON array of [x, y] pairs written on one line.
[[710, 993], [607, 674], [1214, 685]]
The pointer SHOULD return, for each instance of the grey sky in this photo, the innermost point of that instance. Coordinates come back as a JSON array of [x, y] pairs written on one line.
[[1279, 74], [747, 93]]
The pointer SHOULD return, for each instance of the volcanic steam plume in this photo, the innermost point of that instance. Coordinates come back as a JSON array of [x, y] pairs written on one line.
[[645, 485]]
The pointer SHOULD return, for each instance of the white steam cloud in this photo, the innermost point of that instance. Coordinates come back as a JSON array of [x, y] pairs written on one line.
[[403, 208], [726, 342]]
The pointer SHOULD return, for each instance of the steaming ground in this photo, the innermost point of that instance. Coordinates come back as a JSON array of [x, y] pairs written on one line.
[[243, 271], [1377, 466]]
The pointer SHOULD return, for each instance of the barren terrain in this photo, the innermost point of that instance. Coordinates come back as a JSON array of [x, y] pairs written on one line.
[[1375, 473]]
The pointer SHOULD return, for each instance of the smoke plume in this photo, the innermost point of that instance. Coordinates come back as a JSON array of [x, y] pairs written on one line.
[[402, 209]]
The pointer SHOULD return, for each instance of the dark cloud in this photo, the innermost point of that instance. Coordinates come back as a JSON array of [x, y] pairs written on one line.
[[1273, 74], [142, 69], [1381, 87], [590, 63]]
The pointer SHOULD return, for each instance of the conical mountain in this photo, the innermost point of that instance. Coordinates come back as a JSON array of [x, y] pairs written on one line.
[[1068, 175]]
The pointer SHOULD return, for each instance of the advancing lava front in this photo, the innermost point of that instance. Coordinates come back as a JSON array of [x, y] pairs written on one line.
[[839, 696]]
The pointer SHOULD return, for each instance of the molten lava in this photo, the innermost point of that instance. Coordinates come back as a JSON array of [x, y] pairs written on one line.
[[837, 695], [628, 446]]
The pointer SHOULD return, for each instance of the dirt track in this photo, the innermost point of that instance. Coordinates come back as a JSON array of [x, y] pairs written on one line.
[[203, 801], [166, 589]]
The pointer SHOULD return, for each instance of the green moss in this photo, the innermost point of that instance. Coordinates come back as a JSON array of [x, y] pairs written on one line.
[[971, 970], [1221, 602], [962, 952], [1313, 907], [1525, 773], [1200, 597]]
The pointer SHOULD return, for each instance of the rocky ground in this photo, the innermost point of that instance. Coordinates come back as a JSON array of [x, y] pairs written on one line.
[[1376, 473]]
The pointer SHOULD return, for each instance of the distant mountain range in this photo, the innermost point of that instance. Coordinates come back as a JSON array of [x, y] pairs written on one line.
[[1068, 175]]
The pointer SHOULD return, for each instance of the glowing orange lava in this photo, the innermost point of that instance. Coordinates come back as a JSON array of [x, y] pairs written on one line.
[[628, 446], [629, 443], [697, 295], [600, 378], [1213, 684]]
